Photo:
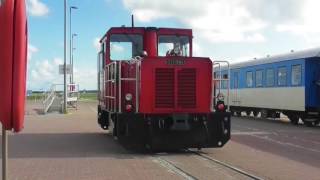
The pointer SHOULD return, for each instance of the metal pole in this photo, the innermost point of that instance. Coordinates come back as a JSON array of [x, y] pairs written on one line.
[[70, 50], [4, 153], [70, 39], [73, 35], [65, 59], [71, 64]]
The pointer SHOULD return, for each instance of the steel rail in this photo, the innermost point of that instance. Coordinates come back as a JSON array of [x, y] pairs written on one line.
[[172, 167], [240, 171]]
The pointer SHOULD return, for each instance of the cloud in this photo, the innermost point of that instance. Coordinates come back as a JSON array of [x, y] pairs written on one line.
[[86, 78], [37, 8], [216, 21], [44, 73], [305, 25], [57, 61], [117, 48], [31, 50], [96, 44]]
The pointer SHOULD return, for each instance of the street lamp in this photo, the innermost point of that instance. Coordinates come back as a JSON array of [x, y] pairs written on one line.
[[65, 60], [71, 37], [72, 49]]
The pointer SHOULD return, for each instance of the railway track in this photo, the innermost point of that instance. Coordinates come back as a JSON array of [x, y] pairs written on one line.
[[165, 161]]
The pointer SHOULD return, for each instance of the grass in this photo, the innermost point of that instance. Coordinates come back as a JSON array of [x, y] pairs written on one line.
[[83, 96], [35, 96], [88, 96]]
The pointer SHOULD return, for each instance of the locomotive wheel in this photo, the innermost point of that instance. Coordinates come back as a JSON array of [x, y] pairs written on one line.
[[255, 113], [248, 113], [294, 119], [238, 113]]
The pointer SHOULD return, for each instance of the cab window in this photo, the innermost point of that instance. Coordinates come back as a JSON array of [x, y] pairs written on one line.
[[125, 46], [173, 45]]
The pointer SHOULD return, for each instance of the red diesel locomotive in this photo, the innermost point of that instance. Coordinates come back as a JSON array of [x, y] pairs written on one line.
[[153, 92]]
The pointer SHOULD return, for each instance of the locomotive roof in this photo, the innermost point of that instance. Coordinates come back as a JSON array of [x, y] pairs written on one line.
[[169, 31], [293, 55]]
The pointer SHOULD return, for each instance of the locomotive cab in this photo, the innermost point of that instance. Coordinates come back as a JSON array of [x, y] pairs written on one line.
[[153, 92]]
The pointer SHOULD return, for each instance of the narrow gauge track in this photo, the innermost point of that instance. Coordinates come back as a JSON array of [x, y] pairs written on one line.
[[187, 175]]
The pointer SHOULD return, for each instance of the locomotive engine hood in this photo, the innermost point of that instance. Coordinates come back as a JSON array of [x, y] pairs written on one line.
[[175, 84]]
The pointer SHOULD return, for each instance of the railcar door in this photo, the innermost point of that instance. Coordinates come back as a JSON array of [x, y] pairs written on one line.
[[235, 99]]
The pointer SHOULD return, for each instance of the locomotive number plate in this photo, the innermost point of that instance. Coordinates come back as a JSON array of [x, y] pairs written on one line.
[[175, 62]]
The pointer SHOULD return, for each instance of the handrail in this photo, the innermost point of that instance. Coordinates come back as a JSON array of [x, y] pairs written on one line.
[[115, 81], [48, 96], [51, 95], [221, 79], [110, 73]]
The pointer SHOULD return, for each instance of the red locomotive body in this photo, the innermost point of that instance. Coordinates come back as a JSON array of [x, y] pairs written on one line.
[[152, 91]]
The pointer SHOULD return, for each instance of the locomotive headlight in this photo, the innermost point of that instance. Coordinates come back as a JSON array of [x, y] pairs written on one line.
[[128, 97], [220, 97]]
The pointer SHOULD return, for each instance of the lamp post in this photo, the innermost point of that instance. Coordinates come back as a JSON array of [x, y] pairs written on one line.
[[72, 49], [65, 60], [71, 39]]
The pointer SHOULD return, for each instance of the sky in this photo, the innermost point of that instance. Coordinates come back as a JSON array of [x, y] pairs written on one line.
[[233, 30]]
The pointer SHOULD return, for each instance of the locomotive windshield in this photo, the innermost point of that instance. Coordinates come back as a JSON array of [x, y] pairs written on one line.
[[172, 45], [125, 46]]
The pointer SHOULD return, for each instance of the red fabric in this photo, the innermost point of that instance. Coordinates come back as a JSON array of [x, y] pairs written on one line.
[[13, 59]]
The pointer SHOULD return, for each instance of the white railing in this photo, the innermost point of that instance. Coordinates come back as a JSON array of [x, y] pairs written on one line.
[[49, 97], [218, 78], [113, 82], [56, 91]]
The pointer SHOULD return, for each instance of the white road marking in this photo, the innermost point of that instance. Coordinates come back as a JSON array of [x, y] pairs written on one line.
[[249, 133], [285, 143]]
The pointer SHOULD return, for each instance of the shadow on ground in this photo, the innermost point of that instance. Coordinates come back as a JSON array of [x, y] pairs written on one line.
[[66, 146]]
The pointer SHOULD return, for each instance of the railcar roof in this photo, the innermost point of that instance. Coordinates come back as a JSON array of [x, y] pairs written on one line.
[[309, 53]]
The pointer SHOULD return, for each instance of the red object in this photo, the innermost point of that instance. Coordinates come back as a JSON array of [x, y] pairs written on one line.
[[13, 61], [150, 38], [128, 107], [193, 78], [221, 107]]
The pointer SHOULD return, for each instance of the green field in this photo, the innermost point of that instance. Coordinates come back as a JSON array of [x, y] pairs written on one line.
[[35, 97], [83, 96], [88, 96]]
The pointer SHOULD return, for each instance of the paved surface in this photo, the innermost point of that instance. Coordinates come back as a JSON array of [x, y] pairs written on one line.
[[72, 146]]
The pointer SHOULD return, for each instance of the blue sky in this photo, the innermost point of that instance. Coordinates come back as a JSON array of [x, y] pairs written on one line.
[[231, 30]]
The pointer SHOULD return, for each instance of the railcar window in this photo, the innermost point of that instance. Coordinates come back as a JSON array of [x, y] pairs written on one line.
[[259, 78], [225, 83], [125, 46], [282, 76], [249, 79], [296, 75], [169, 45], [236, 80], [270, 77]]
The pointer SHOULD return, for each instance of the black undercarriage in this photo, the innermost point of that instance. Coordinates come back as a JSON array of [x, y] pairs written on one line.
[[169, 131]]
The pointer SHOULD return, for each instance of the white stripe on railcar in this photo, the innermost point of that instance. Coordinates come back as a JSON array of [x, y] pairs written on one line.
[[286, 98]]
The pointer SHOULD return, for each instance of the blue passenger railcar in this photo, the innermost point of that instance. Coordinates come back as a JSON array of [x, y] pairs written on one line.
[[288, 84]]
